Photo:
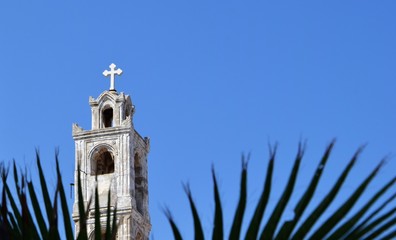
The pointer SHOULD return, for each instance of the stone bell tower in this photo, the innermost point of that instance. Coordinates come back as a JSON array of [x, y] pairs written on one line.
[[113, 156]]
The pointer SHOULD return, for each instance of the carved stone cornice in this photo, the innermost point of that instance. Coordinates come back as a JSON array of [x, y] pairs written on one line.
[[77, 129], [101, 132]]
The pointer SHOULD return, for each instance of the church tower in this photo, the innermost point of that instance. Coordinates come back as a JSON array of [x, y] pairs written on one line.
[[113, 156]]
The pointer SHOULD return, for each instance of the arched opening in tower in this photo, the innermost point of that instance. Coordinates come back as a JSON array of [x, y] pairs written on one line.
[[138, 184], [102, 162], [108, 117]]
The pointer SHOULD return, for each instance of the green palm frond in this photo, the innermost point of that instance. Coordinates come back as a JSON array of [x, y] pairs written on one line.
[[237, 223], [197, 221], [364, 223], [289, 226], [218, 218], [254, 225], [23, 220], [65, 209], [347, 226], [175, 229], [270, 227]]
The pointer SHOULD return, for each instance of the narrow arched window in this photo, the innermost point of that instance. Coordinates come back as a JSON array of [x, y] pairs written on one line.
[[102, 162], [107, 116], [138, 184]]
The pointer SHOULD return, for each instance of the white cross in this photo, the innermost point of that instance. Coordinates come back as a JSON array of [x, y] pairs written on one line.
[[112, 73]]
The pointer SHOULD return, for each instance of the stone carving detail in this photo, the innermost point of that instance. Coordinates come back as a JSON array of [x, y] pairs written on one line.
[[77, 129], [127, 122], [92, 101], [121, 97], [147, 141]]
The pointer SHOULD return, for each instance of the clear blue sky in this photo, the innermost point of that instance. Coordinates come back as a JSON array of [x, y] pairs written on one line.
[[210, 80]]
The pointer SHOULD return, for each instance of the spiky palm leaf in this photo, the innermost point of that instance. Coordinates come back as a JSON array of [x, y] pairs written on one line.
[[28, 221], [375, 225]]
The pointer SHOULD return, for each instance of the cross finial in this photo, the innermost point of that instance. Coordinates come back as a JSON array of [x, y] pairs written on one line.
[[112, 73]]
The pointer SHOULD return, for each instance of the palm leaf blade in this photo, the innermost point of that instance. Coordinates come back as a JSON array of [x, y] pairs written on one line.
[[383, 228], [108, 218], [238, 218], [270, 227], [314, 216], [44, 189], [372, 215], [288, 226], [98, 231], [254, 225], [83, 234], [65, 207], [218, 219], [197, 222], [335, 218], [175, 229], [37, 210], [346, 227], [370, 226]]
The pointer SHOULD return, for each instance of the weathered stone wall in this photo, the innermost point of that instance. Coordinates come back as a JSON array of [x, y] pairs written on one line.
[[117, 155]]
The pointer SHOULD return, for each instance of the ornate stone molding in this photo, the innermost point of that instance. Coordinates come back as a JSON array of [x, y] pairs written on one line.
[[127, 122], [77, 129]]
